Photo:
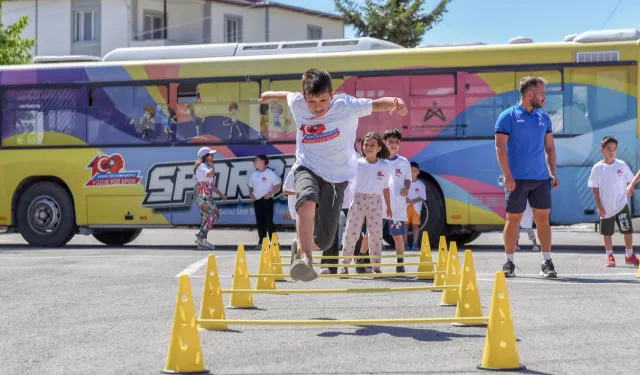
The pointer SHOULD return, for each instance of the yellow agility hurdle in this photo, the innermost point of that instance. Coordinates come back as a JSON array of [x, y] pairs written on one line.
[[185, 356]]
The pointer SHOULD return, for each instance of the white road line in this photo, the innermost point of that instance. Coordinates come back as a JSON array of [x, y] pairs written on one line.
[[567, 274], [194, 267]]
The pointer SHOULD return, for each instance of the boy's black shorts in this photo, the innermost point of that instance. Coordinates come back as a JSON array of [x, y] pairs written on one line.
[[622, 218]]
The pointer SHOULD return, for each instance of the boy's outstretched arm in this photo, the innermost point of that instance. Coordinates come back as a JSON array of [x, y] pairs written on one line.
[[268, 96], [389, 104]]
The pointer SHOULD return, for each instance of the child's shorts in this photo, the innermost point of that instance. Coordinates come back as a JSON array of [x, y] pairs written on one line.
[[413, 217], [396, 228], [622, 218]]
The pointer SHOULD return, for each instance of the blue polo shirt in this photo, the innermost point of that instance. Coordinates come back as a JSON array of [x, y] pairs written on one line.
[[525, 147]]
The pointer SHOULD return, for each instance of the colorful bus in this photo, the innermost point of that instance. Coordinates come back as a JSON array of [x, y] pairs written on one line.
[[107, 148]]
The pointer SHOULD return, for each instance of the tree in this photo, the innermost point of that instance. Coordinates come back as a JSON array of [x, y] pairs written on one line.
[[399, 21], [14, 49]]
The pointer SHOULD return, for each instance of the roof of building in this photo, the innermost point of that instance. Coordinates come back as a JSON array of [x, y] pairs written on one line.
[[273, 4]]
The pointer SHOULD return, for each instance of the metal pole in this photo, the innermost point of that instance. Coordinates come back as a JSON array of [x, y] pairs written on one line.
[[165, 19]]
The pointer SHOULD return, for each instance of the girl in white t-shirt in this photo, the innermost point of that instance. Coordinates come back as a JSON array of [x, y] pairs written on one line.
[[263, 184], [287, 190], [372, 183], [204, 173]]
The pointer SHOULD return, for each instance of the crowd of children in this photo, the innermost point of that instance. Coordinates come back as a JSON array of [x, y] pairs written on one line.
[[378, 187]]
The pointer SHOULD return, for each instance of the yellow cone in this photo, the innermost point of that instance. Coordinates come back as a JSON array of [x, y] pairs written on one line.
[[184, 355], [500, 348], [638, 272], [468, 295], [264, 268], [441, 263], [240, 281], [425, 257], [275, 258], [211, 303], [450, 296]]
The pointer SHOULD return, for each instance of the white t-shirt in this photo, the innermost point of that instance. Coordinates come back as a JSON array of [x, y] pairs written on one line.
[[263, 182], [372, 178], [348, 194], [416, 190], [291, 199], [612, 180], [325, 144], [201, 173], [400, 171]]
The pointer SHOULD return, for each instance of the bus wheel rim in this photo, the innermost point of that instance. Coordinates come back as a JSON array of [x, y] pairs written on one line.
[[44, 214]]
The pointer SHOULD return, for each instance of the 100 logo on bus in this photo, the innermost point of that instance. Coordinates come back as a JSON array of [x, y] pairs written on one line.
[[171, 185]]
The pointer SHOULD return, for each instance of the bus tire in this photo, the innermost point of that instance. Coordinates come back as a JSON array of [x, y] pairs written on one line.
[[463, 238], [432, 217], [116, 237], [45, 215]]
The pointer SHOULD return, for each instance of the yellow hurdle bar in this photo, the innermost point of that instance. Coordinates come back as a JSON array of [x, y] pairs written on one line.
[[355, 322], [324, 265], [339, 291], [357, 256], [333, 276]]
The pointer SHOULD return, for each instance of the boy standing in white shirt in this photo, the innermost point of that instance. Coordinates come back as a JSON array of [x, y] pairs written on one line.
[[609, 179], [325, 159], [416, 195], [399, 184]]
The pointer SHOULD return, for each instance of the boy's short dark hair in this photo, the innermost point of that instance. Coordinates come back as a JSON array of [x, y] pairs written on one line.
[[316, 82], [392, 133], [414, 165], [264, 158], [608, 139]]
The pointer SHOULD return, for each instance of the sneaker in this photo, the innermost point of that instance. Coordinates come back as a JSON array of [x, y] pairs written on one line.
[[547, 270], [414, 246], [294, 251], [400, 269], [302, 270], [535, 248], [361, 269], [343, 271], [631, 260], [611, 261], [325, 271], [204, 243], [406, 246], [377, 270], [509, 269], [517, 248]]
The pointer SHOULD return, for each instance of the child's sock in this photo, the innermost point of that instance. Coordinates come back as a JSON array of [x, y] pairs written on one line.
[[609, 252], [629, 252], [510, 257], [546, 255]]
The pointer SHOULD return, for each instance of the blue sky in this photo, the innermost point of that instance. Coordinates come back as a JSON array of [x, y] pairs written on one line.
[[497, 21]]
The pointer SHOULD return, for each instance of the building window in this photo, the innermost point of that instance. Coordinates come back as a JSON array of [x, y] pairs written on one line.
[[84, 26], [314, 32], [232, 29], [153, 26]]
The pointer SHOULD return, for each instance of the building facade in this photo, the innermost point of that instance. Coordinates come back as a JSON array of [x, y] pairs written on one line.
[[95, 27]]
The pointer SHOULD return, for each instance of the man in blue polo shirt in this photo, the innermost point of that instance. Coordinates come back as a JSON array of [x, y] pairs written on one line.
[[527, 158]]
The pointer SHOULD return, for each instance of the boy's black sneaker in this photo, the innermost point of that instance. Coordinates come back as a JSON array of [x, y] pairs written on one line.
[[509, 269], [361, 269], [547, 270]]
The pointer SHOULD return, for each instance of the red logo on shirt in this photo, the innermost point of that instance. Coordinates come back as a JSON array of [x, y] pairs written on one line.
[[318, 133], [619, 172], [398, 172], [264, 179], [380, 175]]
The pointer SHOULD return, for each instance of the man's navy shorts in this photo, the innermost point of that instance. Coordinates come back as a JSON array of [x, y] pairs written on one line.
[[537, 192]]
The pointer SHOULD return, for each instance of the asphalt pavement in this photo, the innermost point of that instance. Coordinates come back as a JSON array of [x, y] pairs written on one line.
[[91, 309]]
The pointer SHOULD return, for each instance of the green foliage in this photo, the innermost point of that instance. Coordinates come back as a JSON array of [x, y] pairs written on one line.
[[399, 21], [14, 49]]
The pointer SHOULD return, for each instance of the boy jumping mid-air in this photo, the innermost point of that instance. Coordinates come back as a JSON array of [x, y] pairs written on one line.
[[325, 159]]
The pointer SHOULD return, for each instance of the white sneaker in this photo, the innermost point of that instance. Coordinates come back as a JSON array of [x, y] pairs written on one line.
[[205, 243], [324, 271], [535, 248]]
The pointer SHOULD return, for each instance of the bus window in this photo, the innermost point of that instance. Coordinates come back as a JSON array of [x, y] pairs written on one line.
[[219, 111], [432, 108], [598, 98], [52, 117], [376, 87], [130, 115]]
